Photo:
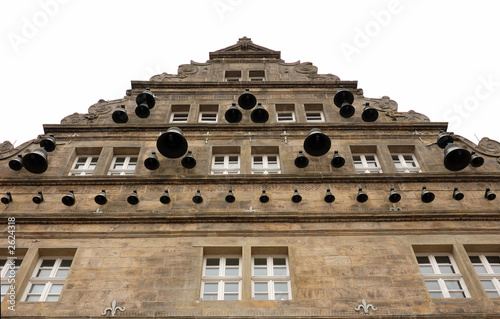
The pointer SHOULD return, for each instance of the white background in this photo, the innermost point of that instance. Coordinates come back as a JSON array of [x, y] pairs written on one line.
[[440, 58]]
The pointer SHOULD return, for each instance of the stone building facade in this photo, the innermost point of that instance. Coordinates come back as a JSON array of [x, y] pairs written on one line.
[[96, 234]]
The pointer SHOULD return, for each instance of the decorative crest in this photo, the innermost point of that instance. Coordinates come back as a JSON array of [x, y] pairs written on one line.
[[112, 309], [365, 307]]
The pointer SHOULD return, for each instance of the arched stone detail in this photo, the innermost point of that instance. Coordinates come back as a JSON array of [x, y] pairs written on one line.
[[486, 146], [187, 69], [306, 68]]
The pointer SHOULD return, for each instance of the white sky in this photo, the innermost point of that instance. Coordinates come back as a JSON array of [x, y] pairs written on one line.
[[440, 58]]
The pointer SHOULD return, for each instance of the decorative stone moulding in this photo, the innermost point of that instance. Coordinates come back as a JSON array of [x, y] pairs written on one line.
[[7, 149], [365, 307], [101, 107], [112, 309]]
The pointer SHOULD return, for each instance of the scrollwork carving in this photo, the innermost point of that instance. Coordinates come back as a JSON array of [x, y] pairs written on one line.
[[486, 146], [306, 68], [187, 69], [410, 116], [384, 104], [6, 146], [167, 77]]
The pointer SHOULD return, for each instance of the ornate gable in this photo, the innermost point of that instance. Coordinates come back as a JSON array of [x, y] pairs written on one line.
[[245, 49]]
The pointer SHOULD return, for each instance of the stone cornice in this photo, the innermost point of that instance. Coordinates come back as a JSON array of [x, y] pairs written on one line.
[[246, 179], [316, 84]]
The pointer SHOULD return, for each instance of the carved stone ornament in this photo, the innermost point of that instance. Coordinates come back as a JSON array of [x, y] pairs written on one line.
[[486, 146], [6, 146], [410, 116], [365, 307], [383, 104], [187, 69], [7, 149], [306, 68], [101, 107], [112, 309], [167, 77], [327, 77]]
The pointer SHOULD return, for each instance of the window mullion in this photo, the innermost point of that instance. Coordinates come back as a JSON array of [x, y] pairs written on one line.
[[443, 287], [45, 292]]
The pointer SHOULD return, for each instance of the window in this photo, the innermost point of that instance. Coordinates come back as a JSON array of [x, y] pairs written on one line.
[[84, 165], [180, 114], [48, 279], [258, 75], [265, 164], [488, 270], [221, 278], [366, 163], [314, 112], [226, 164], [406, 163], [123, 165], [285, 112], [441, 275], [8, 270], [233, 76], [270, 278], [208, 113]]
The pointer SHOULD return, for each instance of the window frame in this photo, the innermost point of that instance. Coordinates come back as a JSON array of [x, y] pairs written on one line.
[[226, 170], [365, 169], [49, 281], [270, 278], [442, 278], [86, 171], [404, 166], [179, 113], [203, 113], [233, 78], [265, 165], [281, 113], [321, 114], [490, 275], [5, 273], [221, 279], [125, 170]]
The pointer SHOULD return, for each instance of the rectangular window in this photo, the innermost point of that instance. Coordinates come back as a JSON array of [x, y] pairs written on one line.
[[487, 267], [406, 163], [83, 165], [221, 278], [441, 275], [123, 165], [314, 112], [180, 114], [285, 112], [257, 75], [265, 164], [270, 278], [48, 278], [208, 113], [233, 76], [8, 270], [366, 163], [225, 164]]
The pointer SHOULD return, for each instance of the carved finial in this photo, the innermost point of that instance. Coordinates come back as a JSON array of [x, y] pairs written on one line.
[[243, 42], [365, 307], [112, 309]]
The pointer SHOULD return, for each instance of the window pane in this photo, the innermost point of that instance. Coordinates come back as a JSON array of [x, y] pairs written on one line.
[[4, 289], [44, 272], [55, 289], [475, 259], [453, 285], [33, 298], [231, 297], [493, 259], [62, 273], [260, 271], [52, 298], [261, 297], [36, 289], [281, 296], [443, 260], [260, 261], [209, 297], [480, 269], [426, 269], [492, 294], [66, 263], [212, 261], [457, 294], [232, 272], [436, 295], [231, 287], [232, 261], [279, 271], [212, 272], [423, 260], [487, 284], [48, 263], [432, 285], [211, 287], [281, 287], [496, 269], [260, 287], [279, 261], [446, 269]]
